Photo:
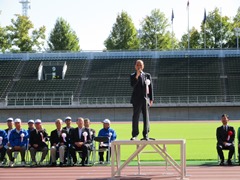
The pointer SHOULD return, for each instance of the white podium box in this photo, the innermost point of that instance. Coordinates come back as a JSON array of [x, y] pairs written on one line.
[[117, 167]]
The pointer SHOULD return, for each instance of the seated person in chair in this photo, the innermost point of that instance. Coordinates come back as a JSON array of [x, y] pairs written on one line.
[[81, 141], [37, 141], [238, 145], [3, 143], [106, 131], [69, 129], [58, 140], [225, 140], [18, 142]]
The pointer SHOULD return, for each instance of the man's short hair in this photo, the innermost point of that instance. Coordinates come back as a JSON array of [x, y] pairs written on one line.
[[224, 115], [60, 120], [86, 119]]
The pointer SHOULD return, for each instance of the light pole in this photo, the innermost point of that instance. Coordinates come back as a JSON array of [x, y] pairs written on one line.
[[237, 33], [156, 33]]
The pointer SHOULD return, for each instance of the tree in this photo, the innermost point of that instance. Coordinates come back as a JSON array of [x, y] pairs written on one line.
[[236, 24], [19, 34], [154, 31], [195, 40], [218, 30], [123, 35], [5, 43], [62, 37]]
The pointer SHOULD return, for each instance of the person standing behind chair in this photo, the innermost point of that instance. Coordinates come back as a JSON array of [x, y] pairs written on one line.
[[69, 129], [225, 140], [106, 131], [81, 141], [138, 100], [18, 142], [3, 143], [37, 141]]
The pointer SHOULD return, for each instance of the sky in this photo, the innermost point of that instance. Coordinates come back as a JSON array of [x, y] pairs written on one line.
[[92, 20]]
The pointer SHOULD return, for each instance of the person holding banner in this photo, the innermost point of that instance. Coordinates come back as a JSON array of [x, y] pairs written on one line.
[[142, 98], [225, 140], [58, 140]]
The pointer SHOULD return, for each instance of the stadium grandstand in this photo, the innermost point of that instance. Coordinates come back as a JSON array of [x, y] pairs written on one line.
[[188, 85]]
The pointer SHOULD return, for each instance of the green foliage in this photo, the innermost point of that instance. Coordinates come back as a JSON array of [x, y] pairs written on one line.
[[123, 35], [4, 40], [219, 30], [154, 32], [195, 41], [19, 35], [62, 37]]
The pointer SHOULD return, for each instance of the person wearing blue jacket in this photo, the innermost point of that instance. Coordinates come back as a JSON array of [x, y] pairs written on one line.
[[3, 142], [111, 134], [18, 141]]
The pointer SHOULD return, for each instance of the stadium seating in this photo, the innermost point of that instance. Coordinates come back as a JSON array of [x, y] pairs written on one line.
[[107, 77]]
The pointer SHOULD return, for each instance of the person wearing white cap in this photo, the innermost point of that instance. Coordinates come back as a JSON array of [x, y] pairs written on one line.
[[58, 140], [30, 126], [18, 142], [81, 141], [69, 129], [3, 142], [37, 141], [10, 127], [111, 134]]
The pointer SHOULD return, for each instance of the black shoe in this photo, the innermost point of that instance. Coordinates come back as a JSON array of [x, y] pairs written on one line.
[[144, 139], [221, 163], [229, 162], [54, 164], [61, 164], [133, 138]]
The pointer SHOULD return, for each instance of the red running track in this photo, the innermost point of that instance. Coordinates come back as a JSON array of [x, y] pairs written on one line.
[[129, 173]]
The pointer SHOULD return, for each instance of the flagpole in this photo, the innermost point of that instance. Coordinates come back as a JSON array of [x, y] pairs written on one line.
[[172, 28], [204, 21], [188, 27], [221, 26], [204, 35]]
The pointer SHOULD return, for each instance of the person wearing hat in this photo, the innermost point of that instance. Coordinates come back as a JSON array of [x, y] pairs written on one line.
[[30, 126], [37, 142], [107, 132], [58, 140], [18, 142], [69, 129], [3, 143], [10, 126], [225, 140]]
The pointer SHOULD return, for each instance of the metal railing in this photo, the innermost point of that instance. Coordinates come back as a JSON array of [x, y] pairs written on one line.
[[121, 101]]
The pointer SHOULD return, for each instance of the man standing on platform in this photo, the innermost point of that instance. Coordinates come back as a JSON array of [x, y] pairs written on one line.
[[225, 140], [142, 97]]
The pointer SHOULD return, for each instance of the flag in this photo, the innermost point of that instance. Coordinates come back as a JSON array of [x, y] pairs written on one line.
[[172, 16], [204, 17], [188, 4]]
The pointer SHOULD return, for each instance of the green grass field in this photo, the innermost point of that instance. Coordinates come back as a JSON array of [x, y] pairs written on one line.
[[200, 138]]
